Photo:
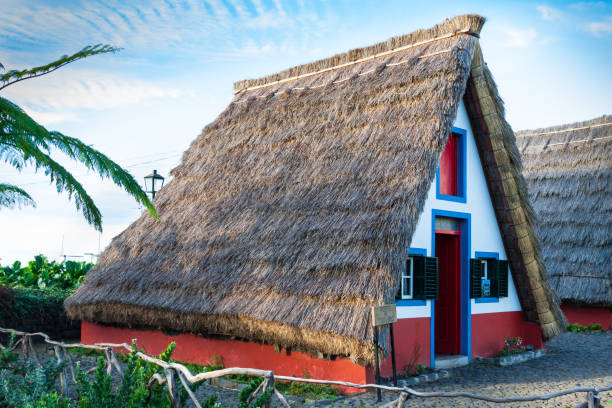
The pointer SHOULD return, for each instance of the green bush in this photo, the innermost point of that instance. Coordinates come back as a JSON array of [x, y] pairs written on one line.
[[42, 274], [577, 328], [35, 310], [249, 389], [306, 390], [26, 384]]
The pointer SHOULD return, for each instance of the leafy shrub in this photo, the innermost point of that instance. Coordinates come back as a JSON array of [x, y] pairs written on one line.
[[26, 384], [577, 328], [42, 274], [249, 389], [36, 310]]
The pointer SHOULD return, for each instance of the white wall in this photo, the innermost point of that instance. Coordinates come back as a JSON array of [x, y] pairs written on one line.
[[485, 235]]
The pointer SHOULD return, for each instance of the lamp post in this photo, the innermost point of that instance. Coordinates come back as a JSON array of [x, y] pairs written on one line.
[[153, 183]]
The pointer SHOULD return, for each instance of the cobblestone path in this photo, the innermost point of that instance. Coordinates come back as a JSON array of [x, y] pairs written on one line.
[[572, 360]]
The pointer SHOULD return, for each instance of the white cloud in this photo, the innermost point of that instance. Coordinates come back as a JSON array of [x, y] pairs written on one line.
[[601, 27], [520, 37], [77, 89], [269, 20], [157, 25], [549, 13], [251, 48], [48, 118]]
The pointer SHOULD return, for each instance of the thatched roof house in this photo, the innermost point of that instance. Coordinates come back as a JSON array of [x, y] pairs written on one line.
[[568, 170], [290, 216]]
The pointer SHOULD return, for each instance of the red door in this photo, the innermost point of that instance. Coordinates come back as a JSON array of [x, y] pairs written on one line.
[[447, 318]]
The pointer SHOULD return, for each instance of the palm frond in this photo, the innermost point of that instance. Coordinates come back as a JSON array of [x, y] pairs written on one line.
[[12, 196], [12, 156], [14, 123], [23, 140], [15, 76], [101, 164], [64, 181]]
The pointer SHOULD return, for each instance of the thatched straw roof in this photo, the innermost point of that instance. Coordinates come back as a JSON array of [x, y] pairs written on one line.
[[569, 177], [291, 214]]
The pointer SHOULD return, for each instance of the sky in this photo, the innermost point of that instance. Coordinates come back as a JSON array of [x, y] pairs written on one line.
[[144, 105]]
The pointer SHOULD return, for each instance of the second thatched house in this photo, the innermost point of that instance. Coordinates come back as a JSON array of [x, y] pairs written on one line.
[[384, 175], [568, 170]]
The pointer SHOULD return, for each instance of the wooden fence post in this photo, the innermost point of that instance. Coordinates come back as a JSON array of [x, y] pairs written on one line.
[[34, 354], [172, 388], [62, 376], [402, 398], [596, 400], [268, 383]]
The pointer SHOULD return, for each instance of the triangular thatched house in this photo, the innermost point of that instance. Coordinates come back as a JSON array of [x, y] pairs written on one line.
[[568, 170], [315, 196]]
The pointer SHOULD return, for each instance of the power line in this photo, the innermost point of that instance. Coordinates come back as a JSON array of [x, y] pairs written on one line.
[[128, 166]]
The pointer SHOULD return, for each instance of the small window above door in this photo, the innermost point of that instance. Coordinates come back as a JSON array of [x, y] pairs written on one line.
[[451, 177]]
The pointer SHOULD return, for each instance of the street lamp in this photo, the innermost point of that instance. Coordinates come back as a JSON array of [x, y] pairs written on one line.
[[153, 183]]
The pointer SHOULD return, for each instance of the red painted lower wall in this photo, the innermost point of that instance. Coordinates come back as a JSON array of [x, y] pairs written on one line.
[[490, 329], [412, 347], [587, 316], [234, 353]]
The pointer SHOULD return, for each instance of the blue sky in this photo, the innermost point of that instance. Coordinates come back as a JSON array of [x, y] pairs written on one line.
[[143, 106]]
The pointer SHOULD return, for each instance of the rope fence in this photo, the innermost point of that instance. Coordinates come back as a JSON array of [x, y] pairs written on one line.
[[176, 371]]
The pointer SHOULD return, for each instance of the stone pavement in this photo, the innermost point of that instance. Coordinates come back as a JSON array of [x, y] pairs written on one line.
[[572, 360]]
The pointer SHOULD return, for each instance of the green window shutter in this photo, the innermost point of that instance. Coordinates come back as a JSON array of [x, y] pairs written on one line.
[[431, 278], [425, 271], [502, 282], [418, 269], [475, 278]]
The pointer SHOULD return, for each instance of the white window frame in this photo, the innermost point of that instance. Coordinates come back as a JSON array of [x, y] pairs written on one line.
[[485, 269], [485, 274], [408, 274]]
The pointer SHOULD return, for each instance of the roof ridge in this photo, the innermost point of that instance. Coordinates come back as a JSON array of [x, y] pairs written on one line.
[[462, 24], [554, 132], [547, 145]]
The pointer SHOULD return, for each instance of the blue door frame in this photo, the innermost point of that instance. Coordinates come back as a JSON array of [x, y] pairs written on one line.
[[465, 304]]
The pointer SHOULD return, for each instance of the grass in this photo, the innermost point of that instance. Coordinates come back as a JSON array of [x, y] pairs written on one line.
[[309, 391]]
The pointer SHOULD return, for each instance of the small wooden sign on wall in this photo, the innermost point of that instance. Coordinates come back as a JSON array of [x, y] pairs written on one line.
[[385, 314]]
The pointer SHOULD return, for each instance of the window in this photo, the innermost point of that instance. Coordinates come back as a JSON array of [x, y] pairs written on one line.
[[489, 278], [407, 280], [485, 282], [420, 279], [448, 167], [451, 178]]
